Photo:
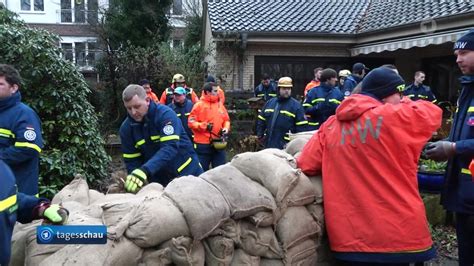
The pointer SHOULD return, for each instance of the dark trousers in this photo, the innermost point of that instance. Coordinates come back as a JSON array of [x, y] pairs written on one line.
[[465, 235], [210, 156]]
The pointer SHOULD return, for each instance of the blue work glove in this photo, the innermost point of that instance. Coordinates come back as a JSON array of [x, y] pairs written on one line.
[[53, 213], [440, 150], [135, 181]]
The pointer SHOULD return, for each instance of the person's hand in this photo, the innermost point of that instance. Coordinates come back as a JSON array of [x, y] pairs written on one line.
[[135, 181], [53, 213], [209, 126], [440, 151]]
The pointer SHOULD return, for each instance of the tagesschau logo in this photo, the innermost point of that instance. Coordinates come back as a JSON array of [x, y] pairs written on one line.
[[71, 234]]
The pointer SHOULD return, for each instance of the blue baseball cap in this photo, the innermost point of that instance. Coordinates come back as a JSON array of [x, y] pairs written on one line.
[[180, 91]]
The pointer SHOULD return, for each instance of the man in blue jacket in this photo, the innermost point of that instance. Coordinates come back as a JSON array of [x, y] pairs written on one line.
[[182, 106], [321, 102], [23, 208], [266, 89], [358, 72], [279, 116], [155, 145], [458, 193], [20, 132], [418, 91]]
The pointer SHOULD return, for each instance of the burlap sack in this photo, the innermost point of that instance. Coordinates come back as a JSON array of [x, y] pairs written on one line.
[[245, 196], [317, 184], [152, 190], [269, 262], [77, 191], [154, 257], [95, 196], [302, 254], [36, 253], [303, 193], [229, 229], [295, 226], [304, 135], [219, 250], [296, 146], [116, 210], [184, 251], [242, 258], [19, 239], [117, 197], [203, 206], [281, 154], [262, 219], [260, 242], [154, 221], [273, 172], [114, 253], [317, 212]]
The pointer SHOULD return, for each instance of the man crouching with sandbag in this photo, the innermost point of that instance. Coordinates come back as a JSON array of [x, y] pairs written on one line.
[[24, 208], [373, 210], [155, 145]]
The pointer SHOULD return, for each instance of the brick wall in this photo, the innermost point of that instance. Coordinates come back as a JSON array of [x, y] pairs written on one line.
[[228, 67]]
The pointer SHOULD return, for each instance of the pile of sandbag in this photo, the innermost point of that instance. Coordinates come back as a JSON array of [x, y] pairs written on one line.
[[259, 209]]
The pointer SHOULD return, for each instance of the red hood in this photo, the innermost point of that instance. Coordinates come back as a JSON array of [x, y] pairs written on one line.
[[210, 98], [354, 106]]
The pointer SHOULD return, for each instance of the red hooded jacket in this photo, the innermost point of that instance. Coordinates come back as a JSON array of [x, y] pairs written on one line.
[[368, 155]]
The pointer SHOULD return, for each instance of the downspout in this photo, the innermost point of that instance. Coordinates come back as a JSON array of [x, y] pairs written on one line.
[[243, 47]]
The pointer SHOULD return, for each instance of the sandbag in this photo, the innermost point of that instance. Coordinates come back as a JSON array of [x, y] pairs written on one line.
[[116, 253], [116, 210], [317, 184], [262, 219], [185, 251], [244, 196], [19, 240], [229, 229], [303, 193], [260, 242], [325, 256], [36, 253], [219, 250], [302, 254], [317, 212], [203, 206], [95, 196], [296, 145], [281, 154], [273, 172], [270, 262], [77, 191], [154, 221], [242, 258], [304, 135], [117, 197], [154, 257], [152, 190], [295, 226]]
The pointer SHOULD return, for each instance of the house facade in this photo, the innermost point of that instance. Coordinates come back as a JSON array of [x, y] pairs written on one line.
[[290, 38]]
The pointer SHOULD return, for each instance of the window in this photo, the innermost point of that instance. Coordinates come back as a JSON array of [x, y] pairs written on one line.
[[177, 43], [79, 11], [32, 5], [83, 54]]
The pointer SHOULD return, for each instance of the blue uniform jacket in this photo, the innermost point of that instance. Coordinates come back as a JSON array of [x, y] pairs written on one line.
[[421, 92], [21, 142], [320, 103], [458, 192], [158, 145], [13, 206], [277, 118], [349, 84], [266, 93], [183, 111]]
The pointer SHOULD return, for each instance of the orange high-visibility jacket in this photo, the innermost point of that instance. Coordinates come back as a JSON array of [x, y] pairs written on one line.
[[208, 110], [368, 155], [313, 83], [153, 96], [167, 95]]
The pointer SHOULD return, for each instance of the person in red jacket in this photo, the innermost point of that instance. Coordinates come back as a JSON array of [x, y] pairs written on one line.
[[210, 124], [149, 92], [373, 210]]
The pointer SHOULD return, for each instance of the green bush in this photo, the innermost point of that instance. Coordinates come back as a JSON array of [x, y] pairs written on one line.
[[57, 91]]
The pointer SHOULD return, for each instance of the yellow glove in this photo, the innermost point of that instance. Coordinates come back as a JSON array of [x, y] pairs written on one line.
[[135, 181], [53, 213]]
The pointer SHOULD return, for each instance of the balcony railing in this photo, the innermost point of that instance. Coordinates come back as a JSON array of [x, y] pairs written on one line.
[[85, 60], [78, 16]]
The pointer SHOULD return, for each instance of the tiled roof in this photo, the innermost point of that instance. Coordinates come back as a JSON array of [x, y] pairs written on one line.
[[383, 14], [310, 16], [326, 16]]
